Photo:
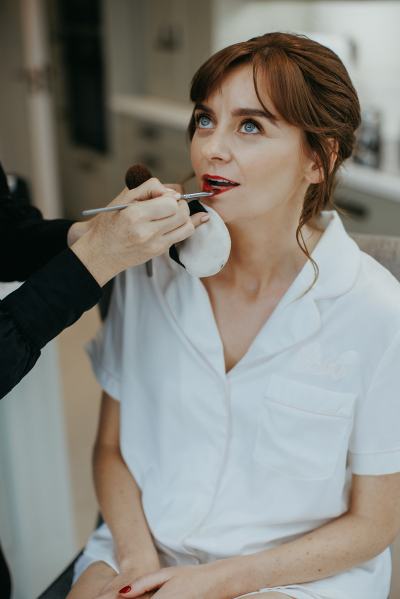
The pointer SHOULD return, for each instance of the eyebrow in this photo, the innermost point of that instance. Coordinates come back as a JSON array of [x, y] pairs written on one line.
[[255, 112]]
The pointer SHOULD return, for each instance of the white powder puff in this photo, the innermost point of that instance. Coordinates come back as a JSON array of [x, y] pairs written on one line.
[[206, 252]]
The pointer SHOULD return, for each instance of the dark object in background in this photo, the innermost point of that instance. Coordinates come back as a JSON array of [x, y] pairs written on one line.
[[19, 189], [20, 194], [5, 581], [80, 26], [60, 588], [368, 149]]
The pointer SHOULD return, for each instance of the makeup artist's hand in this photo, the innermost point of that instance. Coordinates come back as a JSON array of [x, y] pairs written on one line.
[[208, 581], [114, 241], [79, 228]]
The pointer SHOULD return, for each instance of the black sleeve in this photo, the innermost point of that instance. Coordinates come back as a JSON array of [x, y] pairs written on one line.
[[51, 299], [27, 241]]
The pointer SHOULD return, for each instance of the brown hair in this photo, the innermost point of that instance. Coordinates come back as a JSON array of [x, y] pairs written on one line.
[[310, 88]]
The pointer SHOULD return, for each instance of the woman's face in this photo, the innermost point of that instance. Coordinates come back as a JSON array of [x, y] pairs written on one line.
[[253, 163]]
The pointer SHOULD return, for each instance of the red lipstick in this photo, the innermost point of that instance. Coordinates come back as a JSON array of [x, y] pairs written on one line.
[[217, 184]]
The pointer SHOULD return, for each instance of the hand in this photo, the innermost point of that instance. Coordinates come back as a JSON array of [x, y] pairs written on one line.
[[209, 581], [76, 231], [126, 575], [79, 228], [118, 240]]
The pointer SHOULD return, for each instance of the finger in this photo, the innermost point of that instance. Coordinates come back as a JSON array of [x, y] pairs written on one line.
[[179, 234], [179, 208], [199, 218], [171, 223], [157, 208], [107, 595], [146, 583], [152, 188]]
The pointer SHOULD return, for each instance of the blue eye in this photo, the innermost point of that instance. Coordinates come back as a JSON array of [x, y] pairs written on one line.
[[250, 127], [203, 121]]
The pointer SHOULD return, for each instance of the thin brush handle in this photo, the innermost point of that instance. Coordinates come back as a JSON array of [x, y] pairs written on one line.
[[184, 196]]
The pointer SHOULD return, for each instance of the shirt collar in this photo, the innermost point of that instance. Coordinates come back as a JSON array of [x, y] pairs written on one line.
[[338, 258], [295, 318]]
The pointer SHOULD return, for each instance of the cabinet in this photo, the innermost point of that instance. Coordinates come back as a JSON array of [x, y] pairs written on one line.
[[153, 49], [154, 46], [162, 149], [177, 42], [368, 213]]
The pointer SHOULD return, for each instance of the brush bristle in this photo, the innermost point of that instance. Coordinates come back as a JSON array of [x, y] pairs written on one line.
[[136, 175]]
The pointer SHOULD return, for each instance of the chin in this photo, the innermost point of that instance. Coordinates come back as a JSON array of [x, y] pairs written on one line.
[[224, 211]]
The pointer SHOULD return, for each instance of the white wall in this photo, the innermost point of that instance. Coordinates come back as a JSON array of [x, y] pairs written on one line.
[[238, 20], [375, 27], [36, 524]]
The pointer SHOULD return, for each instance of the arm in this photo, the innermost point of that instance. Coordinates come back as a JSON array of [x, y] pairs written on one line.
[[56, 296], [50, 300], [120, 498], [370, 525]]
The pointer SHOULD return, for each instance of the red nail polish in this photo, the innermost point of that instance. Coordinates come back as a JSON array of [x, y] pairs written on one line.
[[125, 589]]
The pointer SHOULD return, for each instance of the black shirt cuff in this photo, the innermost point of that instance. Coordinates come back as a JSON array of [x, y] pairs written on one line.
[[53, 298]]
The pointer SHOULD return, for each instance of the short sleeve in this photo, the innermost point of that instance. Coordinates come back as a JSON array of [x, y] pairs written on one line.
[[375, 443], [105, 350]]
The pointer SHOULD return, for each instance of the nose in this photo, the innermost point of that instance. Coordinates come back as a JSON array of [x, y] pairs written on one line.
[[216, 148]]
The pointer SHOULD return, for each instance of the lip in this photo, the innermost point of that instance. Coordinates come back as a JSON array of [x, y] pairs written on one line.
[[216, 190]]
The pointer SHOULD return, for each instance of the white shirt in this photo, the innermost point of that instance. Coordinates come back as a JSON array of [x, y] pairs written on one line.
[[231, 464]]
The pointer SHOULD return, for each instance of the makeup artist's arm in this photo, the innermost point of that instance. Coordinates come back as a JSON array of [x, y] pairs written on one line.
[[371, 524], [120, 502], [69, 283]]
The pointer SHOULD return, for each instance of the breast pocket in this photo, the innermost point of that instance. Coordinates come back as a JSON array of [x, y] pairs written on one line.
[[303, 430]]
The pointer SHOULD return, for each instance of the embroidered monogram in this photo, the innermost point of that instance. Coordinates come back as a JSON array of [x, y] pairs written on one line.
[[309, 360]]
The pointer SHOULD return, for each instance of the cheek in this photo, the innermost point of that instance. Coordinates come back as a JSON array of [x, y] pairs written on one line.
[[276, 165], [195, 155]]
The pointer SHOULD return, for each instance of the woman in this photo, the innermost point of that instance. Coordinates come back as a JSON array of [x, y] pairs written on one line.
[[249, 438]]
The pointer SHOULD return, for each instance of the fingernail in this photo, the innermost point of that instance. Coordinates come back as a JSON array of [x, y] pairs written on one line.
[[125, 589], [205, 218]]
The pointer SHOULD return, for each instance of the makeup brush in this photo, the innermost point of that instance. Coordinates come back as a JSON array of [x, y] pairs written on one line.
[[204, 253], [135, 176]]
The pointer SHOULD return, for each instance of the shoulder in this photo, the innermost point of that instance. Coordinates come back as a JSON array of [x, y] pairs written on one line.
[[380, 284], [375, 296]]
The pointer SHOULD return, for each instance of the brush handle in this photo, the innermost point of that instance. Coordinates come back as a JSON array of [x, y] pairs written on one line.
[[94, 211], [189, 197]]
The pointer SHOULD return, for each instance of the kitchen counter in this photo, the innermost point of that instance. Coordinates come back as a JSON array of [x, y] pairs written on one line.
[[370, 181]]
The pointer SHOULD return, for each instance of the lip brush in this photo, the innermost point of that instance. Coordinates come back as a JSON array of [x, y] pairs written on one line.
[[184, 196]]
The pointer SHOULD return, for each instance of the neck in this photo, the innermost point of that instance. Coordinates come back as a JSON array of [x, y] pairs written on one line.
[[263, 257]]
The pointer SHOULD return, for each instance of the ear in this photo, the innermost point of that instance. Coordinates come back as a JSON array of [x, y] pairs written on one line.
[[313, 172]]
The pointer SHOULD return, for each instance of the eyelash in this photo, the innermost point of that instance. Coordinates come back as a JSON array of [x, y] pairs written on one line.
[[200, 115]]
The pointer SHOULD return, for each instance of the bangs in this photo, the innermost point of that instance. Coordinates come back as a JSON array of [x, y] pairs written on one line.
[[278, 76], [212, 73], [280, 79]]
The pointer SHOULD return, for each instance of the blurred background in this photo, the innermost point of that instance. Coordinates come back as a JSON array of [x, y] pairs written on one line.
[[88, 88]]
